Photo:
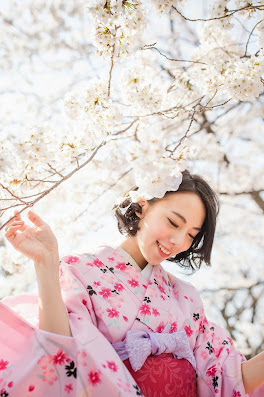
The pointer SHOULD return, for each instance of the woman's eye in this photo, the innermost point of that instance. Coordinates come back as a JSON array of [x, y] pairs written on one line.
[[192, 237], [173, 224]]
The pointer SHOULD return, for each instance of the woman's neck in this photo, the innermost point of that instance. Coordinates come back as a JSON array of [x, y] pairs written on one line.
[[131, 247]]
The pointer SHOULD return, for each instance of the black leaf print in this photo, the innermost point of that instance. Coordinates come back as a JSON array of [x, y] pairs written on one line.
[[204, 328], [212, 328], [111, 269], [196, 316], [114, 291], [155, 282], [5, 394], [146, 299], [224, 342], [215, 383], [138, 319], [103, 270], [71, 370], [128, 264], [91, 290], [138, 390], [209, 347]]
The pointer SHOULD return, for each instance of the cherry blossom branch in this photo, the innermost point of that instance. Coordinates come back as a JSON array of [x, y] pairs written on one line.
[[46, 192], [245, 54], [228, 14], [150, 47]]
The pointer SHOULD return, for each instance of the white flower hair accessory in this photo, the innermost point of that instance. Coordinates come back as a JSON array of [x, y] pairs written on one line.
[[155, 178]]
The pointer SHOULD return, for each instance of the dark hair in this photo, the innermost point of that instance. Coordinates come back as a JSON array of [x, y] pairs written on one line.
[[201, 247]]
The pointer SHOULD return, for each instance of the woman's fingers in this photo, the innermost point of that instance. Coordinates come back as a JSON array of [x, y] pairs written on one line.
[[10, 230], [33, 217]]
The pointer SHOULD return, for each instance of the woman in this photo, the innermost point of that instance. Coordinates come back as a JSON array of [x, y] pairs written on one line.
[[119, 303]]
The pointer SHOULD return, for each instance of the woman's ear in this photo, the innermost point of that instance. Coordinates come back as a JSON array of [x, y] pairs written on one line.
[[144, 205]]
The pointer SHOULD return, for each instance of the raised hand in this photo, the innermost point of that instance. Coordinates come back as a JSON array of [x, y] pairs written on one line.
[[37, 242]]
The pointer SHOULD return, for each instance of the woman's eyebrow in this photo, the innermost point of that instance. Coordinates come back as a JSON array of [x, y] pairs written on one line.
[[184, 220]]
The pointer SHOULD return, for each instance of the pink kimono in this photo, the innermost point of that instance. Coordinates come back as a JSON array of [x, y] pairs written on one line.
[[106, 296]]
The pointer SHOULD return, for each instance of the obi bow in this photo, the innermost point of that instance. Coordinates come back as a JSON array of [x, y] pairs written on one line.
[[138, 345]]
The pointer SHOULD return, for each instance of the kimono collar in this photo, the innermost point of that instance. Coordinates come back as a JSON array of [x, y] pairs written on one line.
[[146, 272]]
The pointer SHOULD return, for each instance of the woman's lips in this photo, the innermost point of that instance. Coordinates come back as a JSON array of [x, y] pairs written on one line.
[[162, 253]]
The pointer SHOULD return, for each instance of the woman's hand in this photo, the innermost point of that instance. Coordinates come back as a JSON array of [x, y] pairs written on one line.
[[37, 242]]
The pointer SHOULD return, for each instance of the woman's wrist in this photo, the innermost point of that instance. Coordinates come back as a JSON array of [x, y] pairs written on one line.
[[47, 267]]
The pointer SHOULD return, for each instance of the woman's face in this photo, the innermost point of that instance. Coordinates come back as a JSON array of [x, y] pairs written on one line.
[[167, 228]]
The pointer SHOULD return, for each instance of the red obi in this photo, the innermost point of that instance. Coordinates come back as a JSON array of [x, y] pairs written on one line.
[[164, 375]]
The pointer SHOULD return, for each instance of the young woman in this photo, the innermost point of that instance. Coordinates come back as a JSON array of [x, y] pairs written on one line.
[[95, 310]]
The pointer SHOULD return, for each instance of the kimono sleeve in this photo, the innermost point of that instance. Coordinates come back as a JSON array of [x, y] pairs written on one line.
[[38, 363], [218, 362]]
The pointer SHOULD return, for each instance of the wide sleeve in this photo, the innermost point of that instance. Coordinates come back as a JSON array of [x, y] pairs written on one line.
[[218, 362], [37, 363]]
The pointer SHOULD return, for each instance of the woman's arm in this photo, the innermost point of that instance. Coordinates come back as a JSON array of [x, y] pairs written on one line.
[[39, 243], [53, 315], [253, 372]]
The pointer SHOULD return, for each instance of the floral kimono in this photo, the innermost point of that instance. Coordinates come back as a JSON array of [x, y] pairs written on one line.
[[106, 296]]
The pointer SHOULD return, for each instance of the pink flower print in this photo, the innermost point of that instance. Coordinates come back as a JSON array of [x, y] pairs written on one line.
[[211, 371], [163, 297], [121, 266], [112, 365], [44, 362], [112, 313], [186, 297], [94, 377], [145, 309], [236, 393], [218, 351], [204, 355], [68, 388], [134, 283], [3, 364], [119, 287], [98, 263], [84, 302], [201, 328], [161, 289], [173, 327], [176, 294], [50, 377], [89, 264], [160, 327], [230, 341], [111, 259], [31, 388], [155, 312], [105, 292], [164, 280], [81, 359], [132, 271], [150, 282], [188, 330], [60, 357], [97, 283], [116, 301], [10, 384], [125, 318], [72, 259]]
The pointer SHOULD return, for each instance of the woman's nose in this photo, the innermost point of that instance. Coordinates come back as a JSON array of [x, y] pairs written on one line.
[[178, 240]]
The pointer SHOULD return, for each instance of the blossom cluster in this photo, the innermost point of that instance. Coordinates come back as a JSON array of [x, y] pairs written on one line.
[[155, 175], [93, 110], [116, 25]]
